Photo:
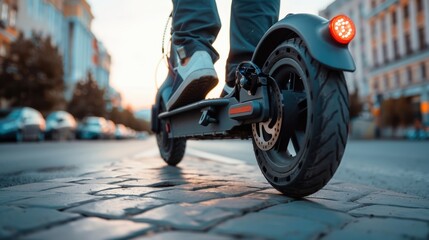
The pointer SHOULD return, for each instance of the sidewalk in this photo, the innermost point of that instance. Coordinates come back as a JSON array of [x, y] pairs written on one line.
[[144, 199]]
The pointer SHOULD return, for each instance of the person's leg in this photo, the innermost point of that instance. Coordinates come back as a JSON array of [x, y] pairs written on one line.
[[196, 25], [195, 28], [249, 21]]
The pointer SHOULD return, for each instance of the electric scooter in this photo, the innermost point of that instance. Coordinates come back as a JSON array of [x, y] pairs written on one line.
[[291, 99]]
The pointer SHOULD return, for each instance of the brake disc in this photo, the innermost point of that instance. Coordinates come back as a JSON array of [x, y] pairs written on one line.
[[267, 133]]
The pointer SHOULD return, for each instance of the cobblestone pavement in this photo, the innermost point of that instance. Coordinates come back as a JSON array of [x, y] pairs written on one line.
[[145, 199]]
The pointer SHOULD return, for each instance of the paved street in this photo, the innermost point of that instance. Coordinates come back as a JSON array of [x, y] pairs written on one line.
[[401, 166], [99, 190]]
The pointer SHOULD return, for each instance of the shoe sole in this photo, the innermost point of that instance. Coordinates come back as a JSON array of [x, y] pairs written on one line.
[[195, 90]]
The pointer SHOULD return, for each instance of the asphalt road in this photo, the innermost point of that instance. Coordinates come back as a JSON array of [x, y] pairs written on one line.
[[396, 165]]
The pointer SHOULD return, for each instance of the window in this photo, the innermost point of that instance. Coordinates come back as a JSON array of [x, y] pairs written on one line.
[[374, 56], [423, 71], [422, 38], [395, 49], [385, 58], [398, 79], [375, 85], [406, 14], [409, 75], [420, 6], [394, 20], [373, 4], [4, 12], [387, 84], [408, 43]]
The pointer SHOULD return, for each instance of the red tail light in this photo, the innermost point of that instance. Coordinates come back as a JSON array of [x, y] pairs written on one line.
[[342, 29]]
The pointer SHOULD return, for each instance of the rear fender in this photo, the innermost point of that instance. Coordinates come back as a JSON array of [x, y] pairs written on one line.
[[314, 31]]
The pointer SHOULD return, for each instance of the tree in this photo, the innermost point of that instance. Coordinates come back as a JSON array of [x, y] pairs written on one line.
[[88, 99], [126, 117], [32, 74]]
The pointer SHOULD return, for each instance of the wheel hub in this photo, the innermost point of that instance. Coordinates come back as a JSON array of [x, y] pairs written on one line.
[[267, 133]]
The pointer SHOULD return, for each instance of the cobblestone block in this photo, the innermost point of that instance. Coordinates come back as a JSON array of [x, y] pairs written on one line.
[[130, 191], [102, 181], [392, 211], [83, 188], [396, 194], [197, 186], [56, 201], [336, 195], [6, 196], [357, 234], [374, 228], [185, 216], [303, 209], [270, 199], [103, 174], [382, 199], [118, 207], [331, 204], [14, 220], [183, 196], [184, 236], [262, 225], [68, 179], [230, 190], [36, 187], [237, 204], [93, 228], [350, 187], [153, 182]]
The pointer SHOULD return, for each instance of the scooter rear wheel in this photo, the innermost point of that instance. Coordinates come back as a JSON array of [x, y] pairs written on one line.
[[171, 150], [310, 143]]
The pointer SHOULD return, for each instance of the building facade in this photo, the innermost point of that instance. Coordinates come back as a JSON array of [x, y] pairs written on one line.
[[8, 32], [43, 17], [68, 23], [399, 46], [102, 61], [392, 53]]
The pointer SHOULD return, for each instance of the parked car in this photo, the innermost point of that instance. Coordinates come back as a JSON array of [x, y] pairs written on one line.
[[60, 125], [21, 124], [121, 132], [111, 129], [92, 128]]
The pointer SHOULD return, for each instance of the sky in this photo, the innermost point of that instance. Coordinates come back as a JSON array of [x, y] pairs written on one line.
[[132, 31]]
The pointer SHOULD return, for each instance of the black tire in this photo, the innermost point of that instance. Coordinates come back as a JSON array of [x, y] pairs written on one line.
[[171, 150], [315, 125]]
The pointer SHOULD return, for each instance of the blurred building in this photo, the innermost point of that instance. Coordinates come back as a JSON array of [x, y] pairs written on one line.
[[399, 46], [68, 23], [43, 17], [391, 50], [80, 50], [8, 32], [102, 61]]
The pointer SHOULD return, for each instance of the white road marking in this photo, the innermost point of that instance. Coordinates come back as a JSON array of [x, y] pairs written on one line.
[[213, 157], [154, 152]]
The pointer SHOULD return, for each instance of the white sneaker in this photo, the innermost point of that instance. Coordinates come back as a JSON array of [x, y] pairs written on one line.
[[193, 81]]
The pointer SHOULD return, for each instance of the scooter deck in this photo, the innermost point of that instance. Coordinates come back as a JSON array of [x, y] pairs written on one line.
[[217, 102]]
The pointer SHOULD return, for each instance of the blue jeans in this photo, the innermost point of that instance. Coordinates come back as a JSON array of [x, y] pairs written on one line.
[[196, 24]]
